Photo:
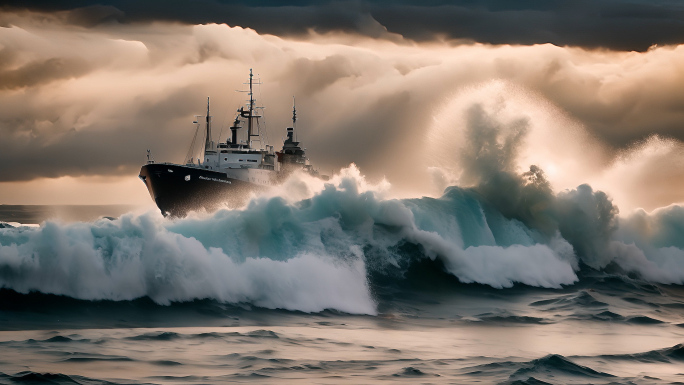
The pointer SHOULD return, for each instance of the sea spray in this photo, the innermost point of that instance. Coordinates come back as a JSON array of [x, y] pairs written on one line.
[[648, 246]]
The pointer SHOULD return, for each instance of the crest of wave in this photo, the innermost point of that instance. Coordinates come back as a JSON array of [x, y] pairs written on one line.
[[142, 255], [348, 213], [308, 255], [493, 135]]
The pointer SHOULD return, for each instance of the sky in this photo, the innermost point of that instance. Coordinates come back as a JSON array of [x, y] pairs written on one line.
[[594, 90]]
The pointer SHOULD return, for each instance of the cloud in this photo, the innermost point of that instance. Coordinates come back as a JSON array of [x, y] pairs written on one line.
[[87, 101], [612, 24], [591, 24], [42, 72]]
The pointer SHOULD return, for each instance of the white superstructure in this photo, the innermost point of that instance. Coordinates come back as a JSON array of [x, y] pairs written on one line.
[[239, 160]]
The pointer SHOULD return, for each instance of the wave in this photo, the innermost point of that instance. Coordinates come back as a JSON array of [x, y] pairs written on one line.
[[554, 365], [506, 318], [330, 250], [29, 377], [59, 339], [410, 372], [162, 336], [567, 302], [137, 256], [674, 353]]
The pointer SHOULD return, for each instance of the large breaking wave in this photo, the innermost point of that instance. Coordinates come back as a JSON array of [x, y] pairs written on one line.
[[314, 245], [320, 252]]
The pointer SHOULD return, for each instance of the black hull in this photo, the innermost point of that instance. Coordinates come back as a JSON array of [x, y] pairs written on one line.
[[178, 189]]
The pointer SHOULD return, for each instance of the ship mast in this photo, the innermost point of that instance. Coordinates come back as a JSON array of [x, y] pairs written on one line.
[[251, 110], [249, 114], [207, 142], [294, 118]]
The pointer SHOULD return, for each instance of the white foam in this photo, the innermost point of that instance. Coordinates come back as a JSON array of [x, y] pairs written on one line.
[[136, 256], [313, 254]]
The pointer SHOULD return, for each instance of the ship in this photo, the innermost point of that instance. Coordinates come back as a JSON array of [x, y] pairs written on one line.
[[228, 172]]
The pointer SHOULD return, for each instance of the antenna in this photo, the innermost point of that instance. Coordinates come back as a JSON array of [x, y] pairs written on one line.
[[207, 141], [251, 110], [249, 114], [294, 117]]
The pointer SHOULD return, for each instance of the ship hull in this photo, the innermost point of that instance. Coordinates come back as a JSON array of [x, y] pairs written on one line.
[[178, 189]]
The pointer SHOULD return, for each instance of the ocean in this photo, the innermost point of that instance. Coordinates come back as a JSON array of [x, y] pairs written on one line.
[[36, 214], [337, 283]]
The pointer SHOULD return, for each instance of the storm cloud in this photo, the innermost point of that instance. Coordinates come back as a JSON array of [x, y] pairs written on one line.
[[611, 24]]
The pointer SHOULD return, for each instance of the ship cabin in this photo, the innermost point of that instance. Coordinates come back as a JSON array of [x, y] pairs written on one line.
[[233, 155], [230, 155], [292, 156]]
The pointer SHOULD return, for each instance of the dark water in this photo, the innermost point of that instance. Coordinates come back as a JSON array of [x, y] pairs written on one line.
[[347, 287], [606, 330]]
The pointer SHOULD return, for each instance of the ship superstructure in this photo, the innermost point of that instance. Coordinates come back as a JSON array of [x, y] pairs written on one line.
[[227, 171]]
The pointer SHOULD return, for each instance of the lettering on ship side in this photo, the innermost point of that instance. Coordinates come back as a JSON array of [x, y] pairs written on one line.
[[214, 179]]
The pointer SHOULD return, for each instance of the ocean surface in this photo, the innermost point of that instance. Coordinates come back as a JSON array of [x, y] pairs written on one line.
[[336, 283], [35, 214]]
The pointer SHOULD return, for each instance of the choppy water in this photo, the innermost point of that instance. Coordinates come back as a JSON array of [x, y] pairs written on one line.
[[609, 330], [344, 286]]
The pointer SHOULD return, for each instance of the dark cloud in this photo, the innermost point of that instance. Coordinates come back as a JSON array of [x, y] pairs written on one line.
[[91, 16], [613, 24], [617, 25]]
